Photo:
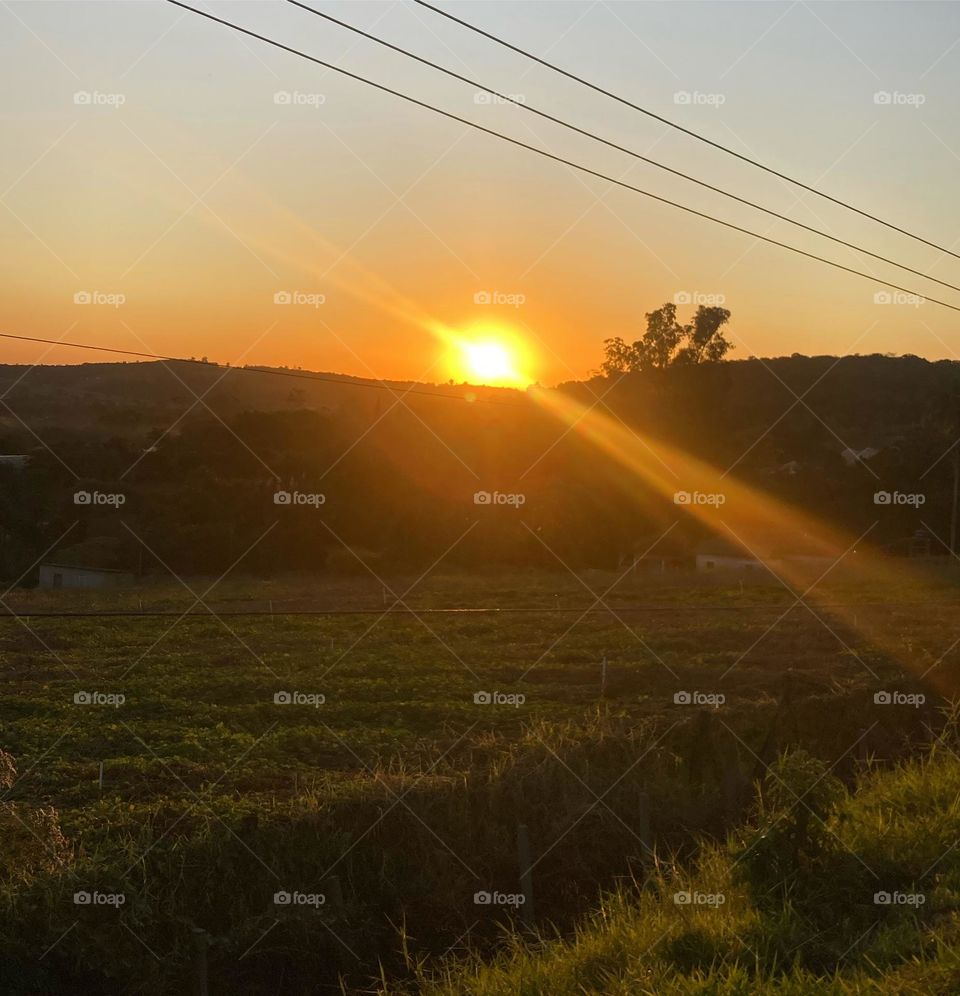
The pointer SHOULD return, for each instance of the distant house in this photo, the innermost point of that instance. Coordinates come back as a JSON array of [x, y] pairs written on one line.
[[852, 456], [721, 554], [70, 576], [724, 555], [918, 544], [656, 555], [16, 460], [789, 469]]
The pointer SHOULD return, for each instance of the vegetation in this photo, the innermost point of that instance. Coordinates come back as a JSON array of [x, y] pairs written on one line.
[[324, 720], [199, 494], [666, 342], [399, 785], [861, 897]]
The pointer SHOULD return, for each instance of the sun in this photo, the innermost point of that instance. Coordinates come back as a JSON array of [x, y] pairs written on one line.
[[490, 357], [490, 361]]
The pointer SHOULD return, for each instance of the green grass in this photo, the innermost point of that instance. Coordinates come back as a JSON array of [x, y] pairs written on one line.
[[400, 785], [820, 933]]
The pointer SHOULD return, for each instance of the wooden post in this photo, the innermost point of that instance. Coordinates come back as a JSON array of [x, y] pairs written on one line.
[[100, 779], [333, 892], [702, 750], [646, 838], [526, 876], [200, 962], [732, 787], [953, 504]]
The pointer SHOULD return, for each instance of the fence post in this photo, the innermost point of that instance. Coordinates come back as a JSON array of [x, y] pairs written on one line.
[[100, 778], [702, 750], [527, 915], [200, 962], [333, 892], [646, 838]]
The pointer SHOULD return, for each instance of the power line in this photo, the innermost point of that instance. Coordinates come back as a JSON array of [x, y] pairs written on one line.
[[549, 155], [507, 98], [264, 370], [686, 131], [403, 610]]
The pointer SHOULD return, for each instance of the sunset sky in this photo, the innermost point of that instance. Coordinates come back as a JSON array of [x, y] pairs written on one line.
[[200, 198]]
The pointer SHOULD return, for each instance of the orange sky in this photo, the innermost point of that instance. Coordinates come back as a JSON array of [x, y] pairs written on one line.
[[199, 198]]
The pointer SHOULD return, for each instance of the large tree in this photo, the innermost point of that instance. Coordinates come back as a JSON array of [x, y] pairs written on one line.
[[667, 342]]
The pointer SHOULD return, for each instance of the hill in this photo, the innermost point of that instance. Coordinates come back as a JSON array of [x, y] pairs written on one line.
[[198, 453]]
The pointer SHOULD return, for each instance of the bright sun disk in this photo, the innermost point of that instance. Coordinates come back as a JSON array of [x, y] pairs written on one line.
[[490, 361]]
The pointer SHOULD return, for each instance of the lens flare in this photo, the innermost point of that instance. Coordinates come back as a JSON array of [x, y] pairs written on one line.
[[751, 518], [489, 355]]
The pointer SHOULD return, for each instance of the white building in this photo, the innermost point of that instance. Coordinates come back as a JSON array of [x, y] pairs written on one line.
[[726, 562], [721, 554], [69, 576]]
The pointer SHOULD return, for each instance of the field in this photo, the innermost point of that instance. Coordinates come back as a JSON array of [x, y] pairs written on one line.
[[384, 796], [860, 899]]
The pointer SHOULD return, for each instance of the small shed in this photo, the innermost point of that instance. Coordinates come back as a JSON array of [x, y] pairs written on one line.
[[797, 555], [71, 576]]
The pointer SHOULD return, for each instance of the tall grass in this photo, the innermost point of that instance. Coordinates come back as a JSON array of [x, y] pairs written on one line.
[[803, 920]]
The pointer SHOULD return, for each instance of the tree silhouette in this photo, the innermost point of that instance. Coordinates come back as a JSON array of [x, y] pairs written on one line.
[[667, 342]]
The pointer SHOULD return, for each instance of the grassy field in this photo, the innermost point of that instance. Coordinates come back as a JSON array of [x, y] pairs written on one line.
[[849, 892], [398, 797]]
